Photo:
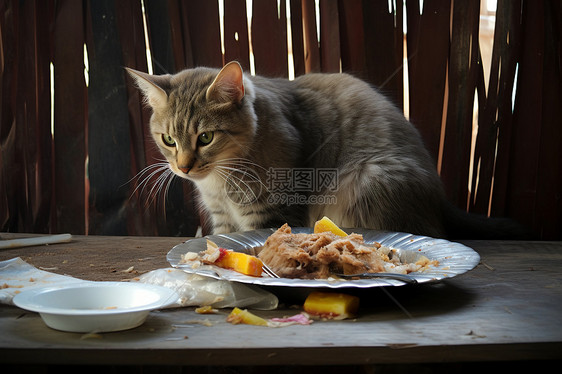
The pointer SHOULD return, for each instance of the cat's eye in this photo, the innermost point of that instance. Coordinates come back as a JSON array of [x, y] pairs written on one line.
[[205, 138], [168, 140]]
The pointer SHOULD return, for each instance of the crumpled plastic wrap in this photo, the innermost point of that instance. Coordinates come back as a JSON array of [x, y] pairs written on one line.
[[16, 276], [196, 290]]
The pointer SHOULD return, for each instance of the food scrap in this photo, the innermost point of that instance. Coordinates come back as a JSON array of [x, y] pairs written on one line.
[[239, 316], [128, 270], [331, 305], [327, 225], [297, 319], [225, 258], [6, 285], [207, 309]]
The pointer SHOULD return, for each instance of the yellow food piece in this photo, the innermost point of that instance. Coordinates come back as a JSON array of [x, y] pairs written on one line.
[[207, 309], [330, 305], [240, 262], [326, 224], [238, 316]]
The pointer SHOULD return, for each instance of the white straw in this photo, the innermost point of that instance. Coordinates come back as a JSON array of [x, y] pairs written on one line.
[[39, 240]]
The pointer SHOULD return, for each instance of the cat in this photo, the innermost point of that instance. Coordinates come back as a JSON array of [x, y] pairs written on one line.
[[267, 151]]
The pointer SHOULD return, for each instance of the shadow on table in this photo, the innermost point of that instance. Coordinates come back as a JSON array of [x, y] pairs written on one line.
[[409, 300]]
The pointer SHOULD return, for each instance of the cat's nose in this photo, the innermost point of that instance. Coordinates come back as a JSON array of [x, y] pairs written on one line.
[[184, 169]]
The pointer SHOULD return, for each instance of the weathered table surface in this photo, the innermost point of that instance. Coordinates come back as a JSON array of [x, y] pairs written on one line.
[[508, 308]]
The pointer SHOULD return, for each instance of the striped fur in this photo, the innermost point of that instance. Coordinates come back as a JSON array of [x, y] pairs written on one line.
[[386, 179]]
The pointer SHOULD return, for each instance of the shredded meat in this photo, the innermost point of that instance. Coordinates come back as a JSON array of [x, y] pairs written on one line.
[[316, 256]]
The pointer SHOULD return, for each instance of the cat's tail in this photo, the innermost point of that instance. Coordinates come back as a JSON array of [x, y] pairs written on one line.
[[462, 225]]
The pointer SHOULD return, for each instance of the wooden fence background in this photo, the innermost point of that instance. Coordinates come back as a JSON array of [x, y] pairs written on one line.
[[67, 154]]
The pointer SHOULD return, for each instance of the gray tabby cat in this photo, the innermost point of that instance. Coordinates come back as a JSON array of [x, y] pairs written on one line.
[[264, 151]]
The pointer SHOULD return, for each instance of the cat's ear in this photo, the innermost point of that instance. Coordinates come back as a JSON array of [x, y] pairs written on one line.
[[152, 87], [228, 86]]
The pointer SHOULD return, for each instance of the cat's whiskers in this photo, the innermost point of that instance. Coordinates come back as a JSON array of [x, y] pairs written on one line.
[[241, 165], [231, 171], [163, 181], [145, 170], [240, 161], [146, 175], [147, 184]]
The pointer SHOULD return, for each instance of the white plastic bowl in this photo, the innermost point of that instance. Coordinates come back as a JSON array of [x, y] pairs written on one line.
[[96, 306]]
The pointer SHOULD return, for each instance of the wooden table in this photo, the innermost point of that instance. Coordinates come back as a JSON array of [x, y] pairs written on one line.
[[508, 309]]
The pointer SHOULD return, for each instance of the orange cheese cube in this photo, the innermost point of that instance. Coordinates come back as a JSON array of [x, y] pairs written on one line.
[[330, 305], [240, 262], [326, 224]]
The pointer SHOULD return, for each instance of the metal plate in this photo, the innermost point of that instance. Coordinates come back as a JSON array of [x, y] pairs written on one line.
[[454, 258]]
